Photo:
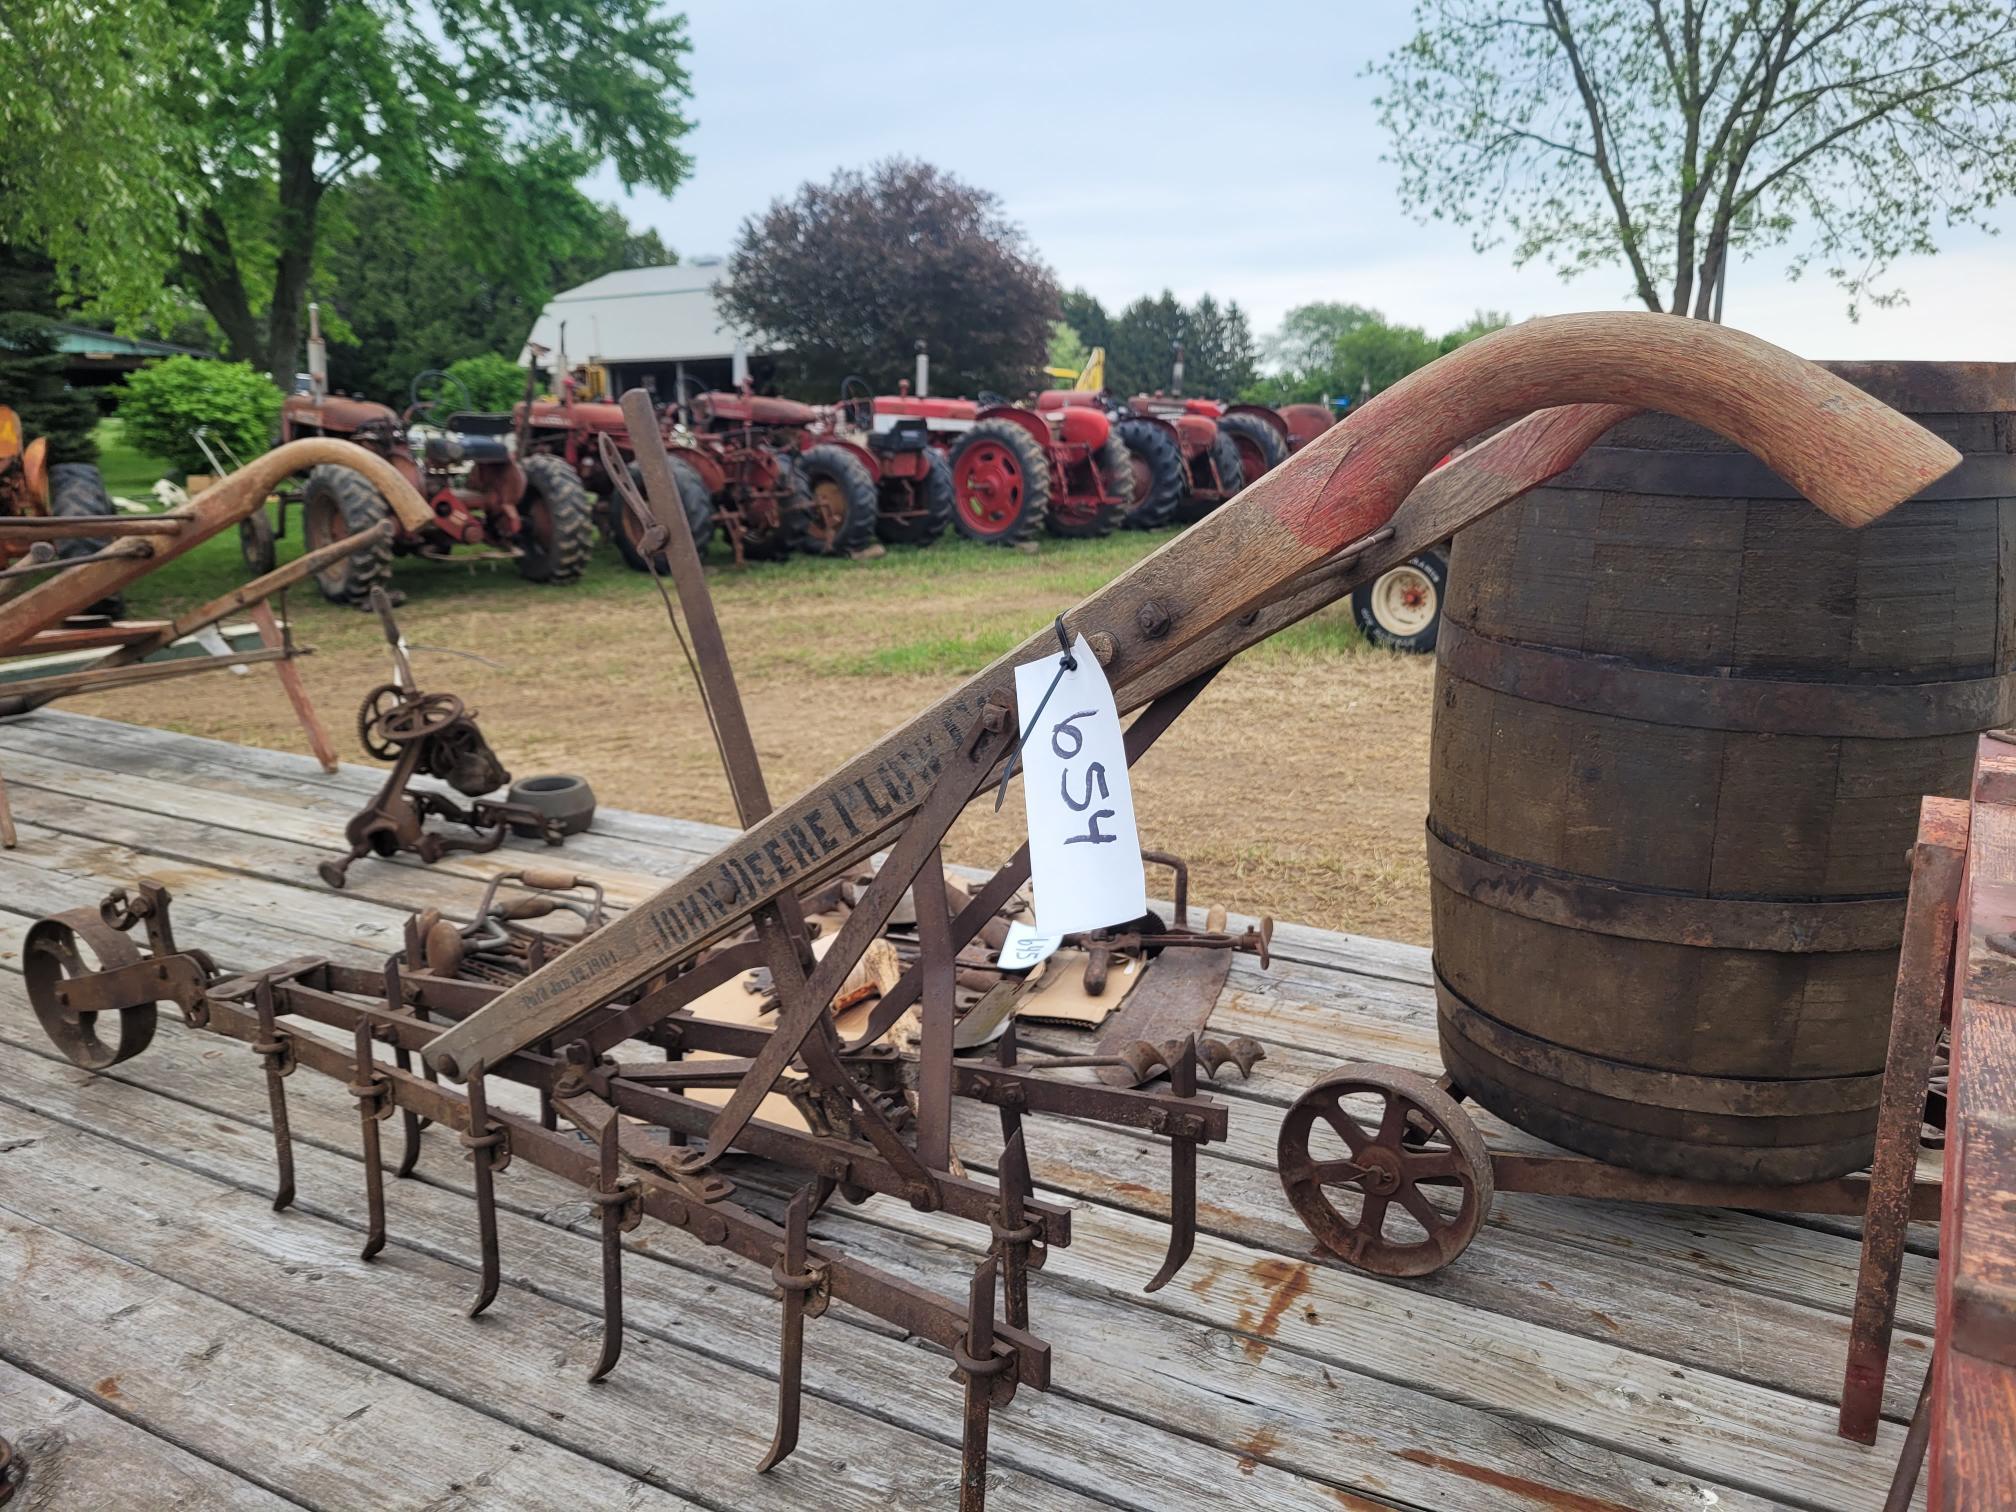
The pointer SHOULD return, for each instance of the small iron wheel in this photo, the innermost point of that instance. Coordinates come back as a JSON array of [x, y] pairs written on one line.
[[379, 702], [416, 718], [1420, 1140], [51, 957]]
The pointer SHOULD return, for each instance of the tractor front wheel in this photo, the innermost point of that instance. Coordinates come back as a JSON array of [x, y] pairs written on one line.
[[1230, 477], [1000, 484], [834, 511], [558, 520], [693, 500], [1115, 467], [915, 512], [1159, 479], [337, 502]]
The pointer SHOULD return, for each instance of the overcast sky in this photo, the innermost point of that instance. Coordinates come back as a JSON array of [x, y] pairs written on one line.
[[1194, 146]]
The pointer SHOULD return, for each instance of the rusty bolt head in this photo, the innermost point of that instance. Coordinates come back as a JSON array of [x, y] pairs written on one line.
[[1152, 619], [1102, 646]]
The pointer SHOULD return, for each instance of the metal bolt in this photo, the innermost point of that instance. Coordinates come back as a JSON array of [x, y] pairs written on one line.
[[1102, 646], [1152, 619]]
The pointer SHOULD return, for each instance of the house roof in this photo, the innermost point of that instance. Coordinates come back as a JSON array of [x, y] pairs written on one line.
[[77, 340], [640, 315]]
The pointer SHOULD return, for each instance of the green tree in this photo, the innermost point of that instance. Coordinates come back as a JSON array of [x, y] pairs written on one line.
[[396, 287], [255, 111], [1219, 355], [1141, 352], [493, 383], [1087, 317], [31, 369], [1066, 350], [847, 276], [1345, 350], [1665, 135]]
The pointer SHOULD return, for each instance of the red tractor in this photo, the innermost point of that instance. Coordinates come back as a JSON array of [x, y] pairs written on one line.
[[532, 511], [1061, 465], [891, 449], [1212, 468]]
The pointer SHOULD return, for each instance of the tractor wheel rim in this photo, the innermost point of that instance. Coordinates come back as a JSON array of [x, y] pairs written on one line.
[[828, 512], [1404, 601], [988, 483]]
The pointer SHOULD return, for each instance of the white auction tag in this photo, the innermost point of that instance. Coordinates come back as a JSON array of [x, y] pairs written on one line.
[[1084, 855], [1025, 948]]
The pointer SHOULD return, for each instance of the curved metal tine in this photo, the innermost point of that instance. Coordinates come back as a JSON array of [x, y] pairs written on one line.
[[409, 1121], [276, 1092], [1182, 1171], [374, 1171], [611, 1202], [482, 1163], [792, 1279], [979, 1351]]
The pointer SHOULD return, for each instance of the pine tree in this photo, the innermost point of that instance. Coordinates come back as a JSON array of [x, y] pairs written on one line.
[[31, 367]]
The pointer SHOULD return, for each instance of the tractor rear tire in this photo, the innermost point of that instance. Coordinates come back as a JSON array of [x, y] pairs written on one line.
[[693, 499], [834, 510], [77, 492], [557, 519], [933, 496], [1261, 447], [1000, 484], [1231, 478], [338, 502], [1116, 476], [1157, 463]]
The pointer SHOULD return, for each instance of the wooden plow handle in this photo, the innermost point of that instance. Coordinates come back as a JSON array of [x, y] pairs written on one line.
[[1853, 456], [217, 508]]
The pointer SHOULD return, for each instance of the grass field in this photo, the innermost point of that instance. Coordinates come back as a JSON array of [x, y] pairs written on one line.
[[1296, 786]]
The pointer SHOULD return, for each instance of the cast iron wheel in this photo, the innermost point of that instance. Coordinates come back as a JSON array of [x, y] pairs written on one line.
[[379, 702], [559, 521], [1420, 1140], [1116, 476], [1401, 609], [416, 718], [1000, 484], [50, 956], [834, 510], [1260, 446], [1159, 478], [692, 498], [77, 492], [916, 512], [1231, 478], [337, 502]]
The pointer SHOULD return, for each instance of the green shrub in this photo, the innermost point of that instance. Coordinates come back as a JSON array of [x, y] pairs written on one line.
[[166, 401], [494, 383]]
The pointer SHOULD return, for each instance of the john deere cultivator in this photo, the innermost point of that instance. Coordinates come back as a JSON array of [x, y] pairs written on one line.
[[876, 1120]]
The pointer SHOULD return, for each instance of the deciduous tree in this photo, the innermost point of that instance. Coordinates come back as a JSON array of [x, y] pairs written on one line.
[[1666, 136], [849, 275]]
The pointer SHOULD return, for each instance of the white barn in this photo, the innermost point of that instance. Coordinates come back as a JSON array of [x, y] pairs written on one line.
[[648, 327]]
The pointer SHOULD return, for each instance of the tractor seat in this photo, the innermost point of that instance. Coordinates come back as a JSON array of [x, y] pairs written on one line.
[[448, 451]]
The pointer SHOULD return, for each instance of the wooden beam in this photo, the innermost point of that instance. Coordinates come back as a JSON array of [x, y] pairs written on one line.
[[97, 679], [297, 691], [89, 527]]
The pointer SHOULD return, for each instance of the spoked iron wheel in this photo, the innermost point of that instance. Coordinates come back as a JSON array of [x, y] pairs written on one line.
[[416, 718], [1386, 1169], [72, 945]]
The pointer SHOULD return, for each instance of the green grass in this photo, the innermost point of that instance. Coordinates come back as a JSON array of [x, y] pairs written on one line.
[[129, 474]]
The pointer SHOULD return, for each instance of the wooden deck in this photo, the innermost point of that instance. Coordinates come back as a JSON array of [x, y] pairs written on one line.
[[167, 1340]]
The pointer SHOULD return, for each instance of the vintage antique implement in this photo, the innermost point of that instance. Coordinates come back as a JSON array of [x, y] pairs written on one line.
[[877, 1121]]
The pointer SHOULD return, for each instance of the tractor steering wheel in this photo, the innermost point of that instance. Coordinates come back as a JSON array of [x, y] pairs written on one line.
[[428, 395], [857, 403]]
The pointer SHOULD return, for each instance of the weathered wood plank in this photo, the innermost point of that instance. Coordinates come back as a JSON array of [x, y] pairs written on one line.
[[79, 1457]]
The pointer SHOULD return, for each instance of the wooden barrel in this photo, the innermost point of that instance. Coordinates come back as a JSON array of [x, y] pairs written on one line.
[[1682, 725]]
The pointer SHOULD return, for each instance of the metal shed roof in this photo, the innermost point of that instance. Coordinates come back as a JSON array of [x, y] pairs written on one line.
[[641, 315]]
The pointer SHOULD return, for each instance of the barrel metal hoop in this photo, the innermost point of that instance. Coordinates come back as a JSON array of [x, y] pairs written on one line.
[[1783, 926], [1622, 689], [1726, 1096]]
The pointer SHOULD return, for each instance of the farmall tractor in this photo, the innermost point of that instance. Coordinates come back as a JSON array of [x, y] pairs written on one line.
[[1212, 471], [534, 512], [32, 486], [1060, 465], [892, 447]]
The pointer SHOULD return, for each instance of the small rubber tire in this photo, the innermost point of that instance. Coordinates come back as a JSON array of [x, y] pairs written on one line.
[[77, 492], [1231, 478], [1009, 507], [1116, 476], [1158, 463], [256, 544], [561, 796], [932, 497], [834, 508], [1401, 609], [337, 502], [693, 499], [557, 520], [1261, 447]]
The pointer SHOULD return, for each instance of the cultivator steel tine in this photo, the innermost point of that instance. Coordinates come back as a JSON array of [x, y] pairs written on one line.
[[1182, 1129], [796, 1282], [372, 1107], [990, 1383], [620, 1210], [1015, 1233], [275, 1049], [489, 1147], [409, 1121], [1004, 1055]]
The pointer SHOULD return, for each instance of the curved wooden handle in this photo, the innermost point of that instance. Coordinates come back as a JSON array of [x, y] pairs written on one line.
[[1851, 455], [239, 492]]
